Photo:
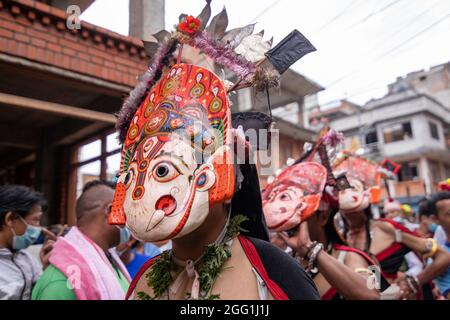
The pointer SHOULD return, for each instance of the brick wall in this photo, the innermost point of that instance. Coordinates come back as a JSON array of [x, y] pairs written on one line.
[[38, 32]]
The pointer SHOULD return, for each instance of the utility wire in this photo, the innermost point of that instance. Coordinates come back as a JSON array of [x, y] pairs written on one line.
[[336, 17], [384, 8], [384, 54], [263, 12]]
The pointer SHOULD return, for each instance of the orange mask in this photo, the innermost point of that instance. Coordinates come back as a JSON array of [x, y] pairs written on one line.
[[176, 159]]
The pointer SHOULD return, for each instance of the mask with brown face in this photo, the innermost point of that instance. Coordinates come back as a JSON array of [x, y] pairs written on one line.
[[294, 195], [176, 158]]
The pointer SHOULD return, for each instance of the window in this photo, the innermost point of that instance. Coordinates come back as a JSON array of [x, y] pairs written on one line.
[[434, 130], [397, 132], [409, 171], [371, 137], [435, 171], [98, 158], [447, 172]]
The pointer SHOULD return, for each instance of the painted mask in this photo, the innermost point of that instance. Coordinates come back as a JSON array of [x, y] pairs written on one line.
[[294, 195], [355, 198], [176, 159], [364, 180]]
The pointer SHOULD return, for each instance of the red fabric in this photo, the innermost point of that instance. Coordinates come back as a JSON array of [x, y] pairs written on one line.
[[388, 251], [253, 257], [396, 246], [332, 291], [255, 260], [361, 253], [329, 295], [400, 227], [138, 276]]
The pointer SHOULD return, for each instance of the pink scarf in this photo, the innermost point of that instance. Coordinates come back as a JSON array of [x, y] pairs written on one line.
[[87, 268]]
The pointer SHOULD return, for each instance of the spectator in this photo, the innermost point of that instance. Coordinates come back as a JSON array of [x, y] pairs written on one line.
[[427, 220], [85, 253], [440, 206], [20, 214], [131, 256]]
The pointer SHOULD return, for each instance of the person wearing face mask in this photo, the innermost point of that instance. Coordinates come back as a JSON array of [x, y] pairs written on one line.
[[385, 239], [429, 226], [84, 264], [20, 214]]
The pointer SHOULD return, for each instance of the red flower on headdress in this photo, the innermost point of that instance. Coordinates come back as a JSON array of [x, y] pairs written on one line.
[[189, 25]]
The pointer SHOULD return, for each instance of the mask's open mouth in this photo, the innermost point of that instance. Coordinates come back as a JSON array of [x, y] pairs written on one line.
[[166, 203], [164, 207], [357, 201]]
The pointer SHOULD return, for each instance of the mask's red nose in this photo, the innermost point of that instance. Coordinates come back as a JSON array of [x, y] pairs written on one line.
[[166, 203]]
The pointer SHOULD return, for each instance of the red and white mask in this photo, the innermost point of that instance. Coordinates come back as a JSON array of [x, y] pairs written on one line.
[[294, 195], [354, 199], [176, 159], [364, 180]]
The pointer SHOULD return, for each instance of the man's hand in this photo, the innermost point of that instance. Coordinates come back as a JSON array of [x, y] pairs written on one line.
[[405, 290], [300, 241], [46, 249]]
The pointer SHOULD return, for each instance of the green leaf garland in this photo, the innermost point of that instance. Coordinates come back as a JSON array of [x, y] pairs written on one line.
[[159, 277]]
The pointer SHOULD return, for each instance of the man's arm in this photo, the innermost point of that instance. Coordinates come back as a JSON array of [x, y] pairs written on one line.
[[352, 285]]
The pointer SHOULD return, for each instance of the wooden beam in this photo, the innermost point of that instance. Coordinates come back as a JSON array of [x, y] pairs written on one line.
[[14, 158], [56, 108], [82, 133]]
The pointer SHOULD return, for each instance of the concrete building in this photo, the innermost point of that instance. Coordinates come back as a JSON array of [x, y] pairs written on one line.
[[410, 125]]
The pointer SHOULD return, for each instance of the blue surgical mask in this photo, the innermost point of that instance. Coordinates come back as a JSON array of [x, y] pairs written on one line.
[[25, 240], [432, 227], [124, 235], [398, 219]]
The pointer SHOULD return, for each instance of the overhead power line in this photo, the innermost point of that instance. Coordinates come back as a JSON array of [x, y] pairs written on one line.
[[382, 9], [336, 17], [263, 12], [386, 53]]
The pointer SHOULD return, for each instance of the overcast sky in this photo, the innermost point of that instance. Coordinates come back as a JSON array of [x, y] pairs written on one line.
[[362, 45]]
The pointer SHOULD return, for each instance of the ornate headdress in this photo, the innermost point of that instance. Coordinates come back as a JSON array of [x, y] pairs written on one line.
[[295, 194], [175, 126]]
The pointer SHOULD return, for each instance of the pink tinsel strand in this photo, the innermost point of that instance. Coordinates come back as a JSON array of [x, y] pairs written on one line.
[[333, 138], [131, 104], [223, 55]]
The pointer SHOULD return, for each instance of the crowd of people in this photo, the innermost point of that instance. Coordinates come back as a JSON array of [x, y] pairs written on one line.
[[187, 218], [43, 263]]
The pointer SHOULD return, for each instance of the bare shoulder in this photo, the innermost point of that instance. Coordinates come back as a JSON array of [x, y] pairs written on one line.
[[383, 229]]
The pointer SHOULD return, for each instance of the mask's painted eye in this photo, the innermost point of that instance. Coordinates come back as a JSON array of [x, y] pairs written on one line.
[[165, 171], [129, 177], [285, 196]]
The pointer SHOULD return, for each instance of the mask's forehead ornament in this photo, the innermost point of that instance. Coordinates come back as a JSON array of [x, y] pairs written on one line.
[[357, 167], [362, 170]]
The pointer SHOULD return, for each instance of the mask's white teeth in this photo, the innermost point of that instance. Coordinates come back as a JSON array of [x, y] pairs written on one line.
[[155, 219]]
